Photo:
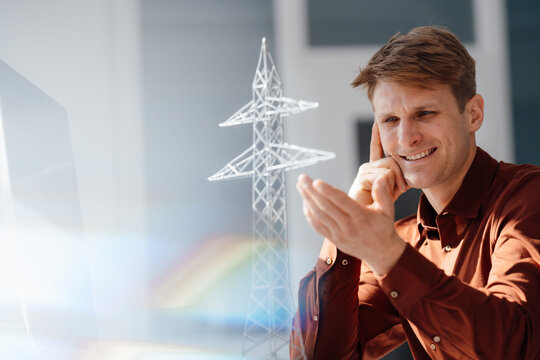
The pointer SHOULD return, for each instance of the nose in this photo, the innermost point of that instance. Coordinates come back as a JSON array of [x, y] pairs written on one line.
[[409, 133]]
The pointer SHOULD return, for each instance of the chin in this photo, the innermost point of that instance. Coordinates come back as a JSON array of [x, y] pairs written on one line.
[[416, 183]]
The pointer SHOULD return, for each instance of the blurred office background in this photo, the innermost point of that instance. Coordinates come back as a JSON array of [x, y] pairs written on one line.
[[114, 244]]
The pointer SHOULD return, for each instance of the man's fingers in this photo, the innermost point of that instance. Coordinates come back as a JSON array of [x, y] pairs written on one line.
[[320, 208], [336, 197], [317, 212], [391, 164], [316, 224], [360, 194], [376, 151], [370, 171], [367, 179], [382, 195]]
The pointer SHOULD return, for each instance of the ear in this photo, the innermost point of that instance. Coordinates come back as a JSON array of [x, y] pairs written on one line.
[[474, 111]]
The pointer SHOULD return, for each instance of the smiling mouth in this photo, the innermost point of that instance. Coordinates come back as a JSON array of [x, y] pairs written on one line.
[[419, 155]]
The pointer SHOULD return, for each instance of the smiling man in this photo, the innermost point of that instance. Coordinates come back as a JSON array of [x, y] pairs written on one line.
[[461, 278]]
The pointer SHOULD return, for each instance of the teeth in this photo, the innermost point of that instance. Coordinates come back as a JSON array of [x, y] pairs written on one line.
[[419, 156]]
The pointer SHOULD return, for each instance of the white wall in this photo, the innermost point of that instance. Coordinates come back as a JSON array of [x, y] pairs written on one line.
[[85, 55], [324, 73]]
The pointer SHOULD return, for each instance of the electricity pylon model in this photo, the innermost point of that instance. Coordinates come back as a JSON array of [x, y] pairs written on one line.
[[270, 309]]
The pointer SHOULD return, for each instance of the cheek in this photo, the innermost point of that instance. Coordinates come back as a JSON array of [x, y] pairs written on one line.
[[455, 135], [457, 125], [387, 143]]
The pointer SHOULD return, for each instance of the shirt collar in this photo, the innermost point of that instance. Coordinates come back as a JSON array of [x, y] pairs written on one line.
[[468, 199]]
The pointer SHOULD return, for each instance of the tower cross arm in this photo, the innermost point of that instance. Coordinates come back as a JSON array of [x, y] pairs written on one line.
[[287, 106], [245, 115], [240, 166]]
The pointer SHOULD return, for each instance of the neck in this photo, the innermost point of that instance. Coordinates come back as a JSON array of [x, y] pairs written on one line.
[[439, 196], [439, 200]]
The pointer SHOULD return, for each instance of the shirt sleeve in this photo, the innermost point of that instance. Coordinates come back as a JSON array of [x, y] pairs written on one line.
[[499, 321], [340, 312]]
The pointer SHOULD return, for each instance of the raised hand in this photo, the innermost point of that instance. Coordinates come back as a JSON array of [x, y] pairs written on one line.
[[361, 223], [377, 166]]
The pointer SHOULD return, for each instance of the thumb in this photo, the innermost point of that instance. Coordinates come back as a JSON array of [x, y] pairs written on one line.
[[382, 193]]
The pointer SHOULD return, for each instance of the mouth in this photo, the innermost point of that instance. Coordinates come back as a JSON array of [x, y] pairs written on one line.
[[418, 156]]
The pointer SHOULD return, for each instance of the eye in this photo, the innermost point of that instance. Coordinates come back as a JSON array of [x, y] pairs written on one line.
[[390, 119], [425, 113]]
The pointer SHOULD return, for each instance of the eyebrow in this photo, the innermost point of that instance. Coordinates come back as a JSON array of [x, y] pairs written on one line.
[[425, 106]]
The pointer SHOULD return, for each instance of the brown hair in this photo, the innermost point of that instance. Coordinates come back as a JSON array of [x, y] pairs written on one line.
[[426, 54]]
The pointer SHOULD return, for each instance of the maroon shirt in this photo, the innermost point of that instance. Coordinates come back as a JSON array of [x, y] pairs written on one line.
[[466, 287]]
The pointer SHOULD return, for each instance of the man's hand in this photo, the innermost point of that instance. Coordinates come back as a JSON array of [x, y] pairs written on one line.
[[377, 166], [360, 224]]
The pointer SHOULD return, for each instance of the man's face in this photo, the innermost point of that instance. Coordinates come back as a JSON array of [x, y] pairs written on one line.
[[425, 133]]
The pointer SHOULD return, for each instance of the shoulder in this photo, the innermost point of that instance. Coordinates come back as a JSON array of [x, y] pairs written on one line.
[[515, 202], [515, 175], [517, 184]]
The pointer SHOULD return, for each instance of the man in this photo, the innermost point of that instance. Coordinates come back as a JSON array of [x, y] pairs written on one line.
[[461, 278]]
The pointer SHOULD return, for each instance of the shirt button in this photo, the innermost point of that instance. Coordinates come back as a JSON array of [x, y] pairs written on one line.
[[436, 339], [329, 261], [445, 213], [315, 318], [344, 262], [433, 347], [447, 248], [394, 294]]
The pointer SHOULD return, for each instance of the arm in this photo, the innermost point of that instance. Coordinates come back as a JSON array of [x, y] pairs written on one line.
[[500, 320], [337, 315], [350, 314], [361, 223]]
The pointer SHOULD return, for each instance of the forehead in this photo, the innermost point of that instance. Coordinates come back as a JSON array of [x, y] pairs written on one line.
[[391, 96]]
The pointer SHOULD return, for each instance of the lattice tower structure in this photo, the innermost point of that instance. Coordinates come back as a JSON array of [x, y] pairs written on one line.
[[270, 310]]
